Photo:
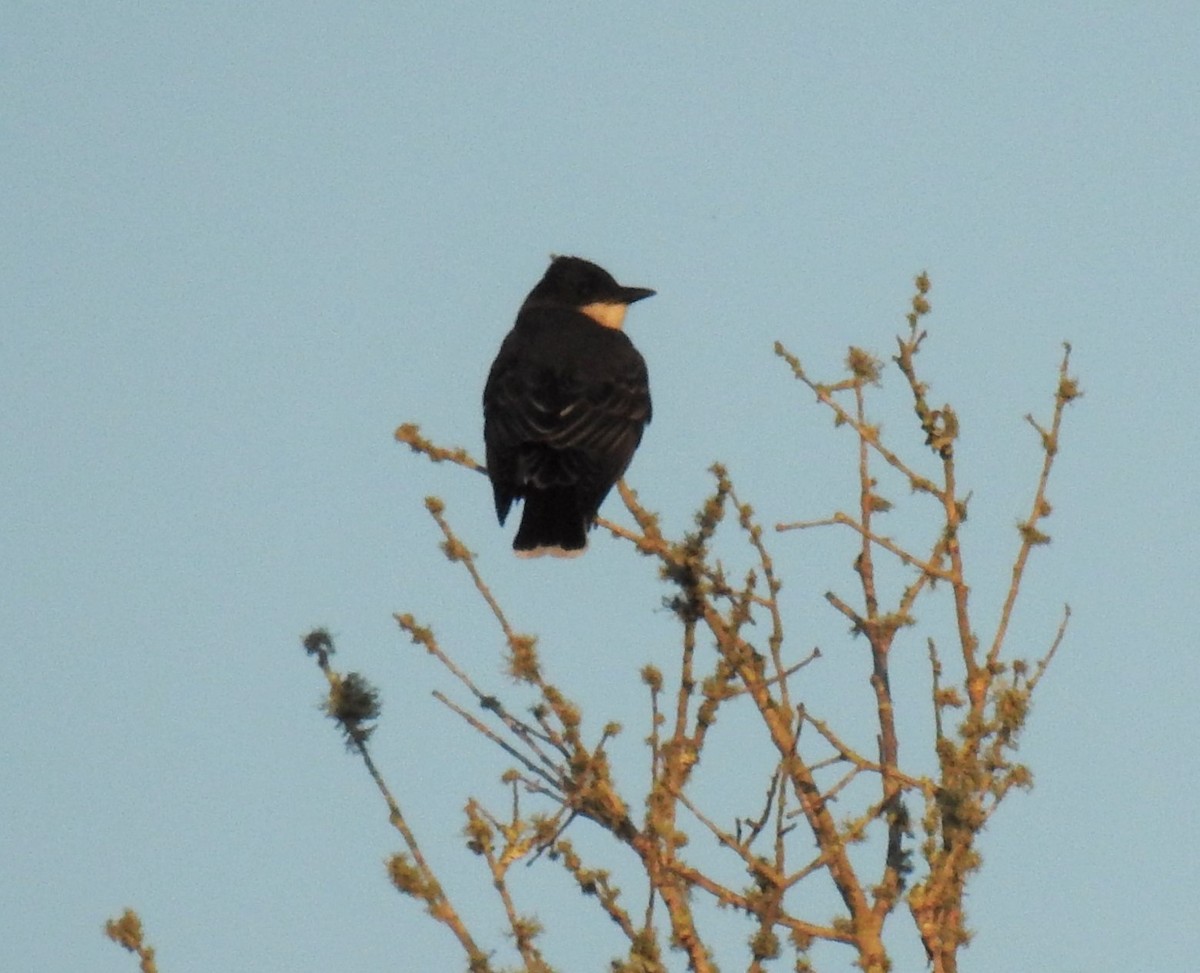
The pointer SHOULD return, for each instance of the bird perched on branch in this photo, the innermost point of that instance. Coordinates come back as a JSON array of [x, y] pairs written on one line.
[[564, 406]]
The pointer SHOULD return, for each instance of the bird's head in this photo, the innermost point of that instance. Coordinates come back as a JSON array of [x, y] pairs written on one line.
[[582, 285]]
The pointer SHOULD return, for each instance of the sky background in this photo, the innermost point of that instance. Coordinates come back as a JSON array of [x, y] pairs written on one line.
[[242, 242]]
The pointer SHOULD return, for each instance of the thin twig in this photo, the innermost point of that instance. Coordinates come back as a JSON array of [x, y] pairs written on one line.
[[1030, 536]]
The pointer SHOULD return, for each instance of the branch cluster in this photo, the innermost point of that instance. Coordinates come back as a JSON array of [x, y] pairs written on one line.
[[791, 835], [733, 653]]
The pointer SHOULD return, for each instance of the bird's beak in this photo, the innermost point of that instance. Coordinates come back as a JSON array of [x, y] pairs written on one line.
[[631, 294]]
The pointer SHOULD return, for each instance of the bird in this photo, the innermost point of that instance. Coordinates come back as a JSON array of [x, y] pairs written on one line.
[[565, 404]]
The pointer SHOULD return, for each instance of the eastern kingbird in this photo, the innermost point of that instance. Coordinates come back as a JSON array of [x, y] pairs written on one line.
[[564, 406]]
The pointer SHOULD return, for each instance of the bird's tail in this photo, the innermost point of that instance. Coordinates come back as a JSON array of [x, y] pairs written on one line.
[[551, 523]]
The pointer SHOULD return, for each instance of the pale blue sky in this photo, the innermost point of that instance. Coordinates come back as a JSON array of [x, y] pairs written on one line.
[[242, 242]]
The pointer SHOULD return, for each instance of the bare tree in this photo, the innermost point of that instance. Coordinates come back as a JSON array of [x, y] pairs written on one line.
[[828, 813]]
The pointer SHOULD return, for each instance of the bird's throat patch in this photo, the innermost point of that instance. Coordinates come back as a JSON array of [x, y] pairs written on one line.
[[606, 315]]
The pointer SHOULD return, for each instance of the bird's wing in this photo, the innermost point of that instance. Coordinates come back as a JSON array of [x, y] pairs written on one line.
[[579, 425], [597, 417]]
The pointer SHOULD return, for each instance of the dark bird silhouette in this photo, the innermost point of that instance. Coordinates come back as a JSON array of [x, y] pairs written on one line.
[[564, 406]]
